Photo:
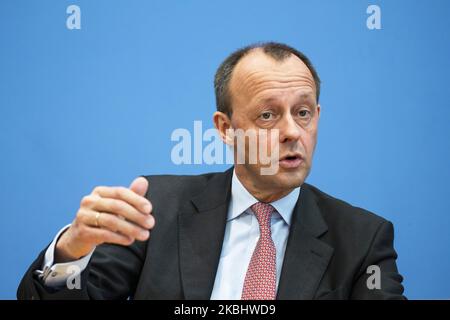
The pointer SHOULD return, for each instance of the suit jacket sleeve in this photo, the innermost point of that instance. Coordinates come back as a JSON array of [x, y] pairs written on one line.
[[382, 254], [112, 273]]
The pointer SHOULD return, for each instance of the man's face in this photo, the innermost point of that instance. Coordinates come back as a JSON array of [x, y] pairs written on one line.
[[269, 94]]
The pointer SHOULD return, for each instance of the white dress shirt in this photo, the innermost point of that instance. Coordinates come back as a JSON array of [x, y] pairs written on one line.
[[241, 236]]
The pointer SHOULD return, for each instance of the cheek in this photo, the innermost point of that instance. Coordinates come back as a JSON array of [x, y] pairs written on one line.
[[240, 120], [309, 141], [270, 140]]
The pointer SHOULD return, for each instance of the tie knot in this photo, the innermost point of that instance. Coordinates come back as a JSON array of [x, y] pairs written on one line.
[[263, 212]]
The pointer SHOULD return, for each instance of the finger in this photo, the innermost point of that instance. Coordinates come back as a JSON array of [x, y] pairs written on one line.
[[116, 225], [127, 195], [113, 223], [139, 186], [123, 209], [99, 236]]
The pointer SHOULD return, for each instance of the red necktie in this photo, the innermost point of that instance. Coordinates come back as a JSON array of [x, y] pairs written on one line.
[[260, 280]]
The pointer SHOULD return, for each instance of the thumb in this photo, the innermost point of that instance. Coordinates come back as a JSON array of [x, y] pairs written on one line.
[[139, 185]]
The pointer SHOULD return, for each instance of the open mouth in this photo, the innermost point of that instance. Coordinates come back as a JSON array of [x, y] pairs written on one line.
[[291, 161]]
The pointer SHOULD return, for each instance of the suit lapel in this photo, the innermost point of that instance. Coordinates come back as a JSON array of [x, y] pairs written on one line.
[[202, 224], [306, 257], [201, 230]]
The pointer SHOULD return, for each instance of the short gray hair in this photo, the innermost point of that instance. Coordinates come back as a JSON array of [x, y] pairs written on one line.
[[278, 51]]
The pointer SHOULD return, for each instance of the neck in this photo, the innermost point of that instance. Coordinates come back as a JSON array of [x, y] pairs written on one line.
[[263, 195]]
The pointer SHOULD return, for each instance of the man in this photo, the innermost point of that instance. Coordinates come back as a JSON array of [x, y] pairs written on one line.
[[239, 234]]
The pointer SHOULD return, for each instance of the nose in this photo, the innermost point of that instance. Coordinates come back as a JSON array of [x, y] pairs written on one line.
[[289, 129]]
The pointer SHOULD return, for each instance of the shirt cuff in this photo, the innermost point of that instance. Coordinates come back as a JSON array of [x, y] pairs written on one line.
[[57, 275]]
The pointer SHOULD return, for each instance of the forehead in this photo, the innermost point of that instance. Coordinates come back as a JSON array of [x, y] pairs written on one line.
[[258, 75]]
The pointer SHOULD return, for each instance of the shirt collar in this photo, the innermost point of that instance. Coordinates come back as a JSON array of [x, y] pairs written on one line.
[[241, 200]]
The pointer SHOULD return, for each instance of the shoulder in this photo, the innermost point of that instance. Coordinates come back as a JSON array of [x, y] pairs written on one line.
[[342, 215], [179, 186]]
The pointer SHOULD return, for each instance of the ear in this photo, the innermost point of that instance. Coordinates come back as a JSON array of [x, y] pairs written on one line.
[[318, 111], [222, 123]]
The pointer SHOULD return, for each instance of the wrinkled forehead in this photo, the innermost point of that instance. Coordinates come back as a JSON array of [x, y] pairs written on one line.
[[258, 75]]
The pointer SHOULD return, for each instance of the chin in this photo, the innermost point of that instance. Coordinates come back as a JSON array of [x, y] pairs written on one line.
[[289, 180]]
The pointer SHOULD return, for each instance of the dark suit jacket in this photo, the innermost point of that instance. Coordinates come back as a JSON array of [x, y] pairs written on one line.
[[329, 248]]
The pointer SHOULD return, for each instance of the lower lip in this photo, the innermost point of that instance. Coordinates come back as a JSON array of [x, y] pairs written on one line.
[[290, 164]]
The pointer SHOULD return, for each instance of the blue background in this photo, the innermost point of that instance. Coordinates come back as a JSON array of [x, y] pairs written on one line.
[[80, 108]]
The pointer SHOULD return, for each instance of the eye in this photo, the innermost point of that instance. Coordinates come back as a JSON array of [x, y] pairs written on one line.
[[304, 113], [266, 115]]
